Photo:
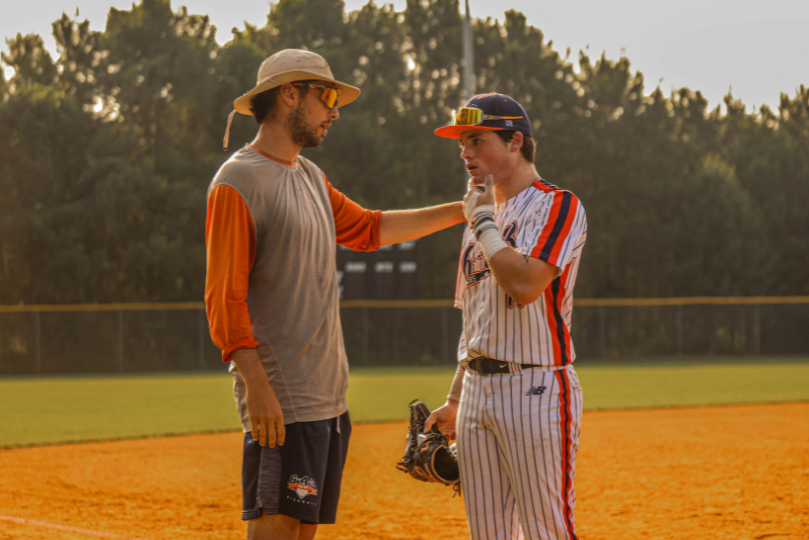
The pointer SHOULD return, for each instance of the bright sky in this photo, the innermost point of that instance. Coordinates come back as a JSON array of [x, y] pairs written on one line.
[[757, 47]]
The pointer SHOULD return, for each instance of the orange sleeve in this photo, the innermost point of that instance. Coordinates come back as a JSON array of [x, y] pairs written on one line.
[[230, 242], [356, 227]]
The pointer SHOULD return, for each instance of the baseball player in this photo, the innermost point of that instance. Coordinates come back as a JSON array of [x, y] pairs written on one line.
[[272, 298], [515, 401]]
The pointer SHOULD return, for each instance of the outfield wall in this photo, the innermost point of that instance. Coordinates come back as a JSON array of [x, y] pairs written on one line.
[[174, 337]]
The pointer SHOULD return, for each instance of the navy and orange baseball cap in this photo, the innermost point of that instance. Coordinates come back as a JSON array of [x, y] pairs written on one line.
[[489, 112]]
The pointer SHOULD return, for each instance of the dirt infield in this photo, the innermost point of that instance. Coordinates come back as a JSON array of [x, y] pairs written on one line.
[[721, 472]]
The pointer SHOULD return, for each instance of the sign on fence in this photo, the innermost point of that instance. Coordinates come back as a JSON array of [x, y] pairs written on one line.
[[390, 273]]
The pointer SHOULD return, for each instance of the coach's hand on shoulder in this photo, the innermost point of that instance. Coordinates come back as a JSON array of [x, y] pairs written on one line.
[[444, 416], [266, 417]]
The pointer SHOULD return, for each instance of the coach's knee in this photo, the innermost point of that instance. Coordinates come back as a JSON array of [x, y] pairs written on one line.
[[307, 532], [277, 527]]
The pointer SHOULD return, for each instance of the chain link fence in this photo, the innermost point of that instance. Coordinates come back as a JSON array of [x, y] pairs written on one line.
[[106, 341], [131, 338]]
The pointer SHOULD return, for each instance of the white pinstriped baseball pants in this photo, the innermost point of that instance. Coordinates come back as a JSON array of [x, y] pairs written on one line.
[[518, 434]]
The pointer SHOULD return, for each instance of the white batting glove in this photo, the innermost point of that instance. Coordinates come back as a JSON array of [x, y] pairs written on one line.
[[479, 210], [477, 202]]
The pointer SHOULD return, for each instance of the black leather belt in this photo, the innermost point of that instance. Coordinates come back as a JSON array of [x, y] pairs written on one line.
[[490, 366]]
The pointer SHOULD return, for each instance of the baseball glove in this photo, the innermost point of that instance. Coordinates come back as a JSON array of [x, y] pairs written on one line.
[[427, 456]]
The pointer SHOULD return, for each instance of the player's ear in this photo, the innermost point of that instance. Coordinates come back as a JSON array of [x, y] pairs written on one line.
[[516, 142], [288, 95]]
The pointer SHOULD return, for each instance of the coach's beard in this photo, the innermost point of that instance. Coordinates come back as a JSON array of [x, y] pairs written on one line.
[[301, 133]]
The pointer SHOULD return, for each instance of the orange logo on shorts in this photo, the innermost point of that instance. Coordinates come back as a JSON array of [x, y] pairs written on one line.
[[302, 487]]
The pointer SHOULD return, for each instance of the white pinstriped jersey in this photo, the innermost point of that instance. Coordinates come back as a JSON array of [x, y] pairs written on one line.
[[545, 222]]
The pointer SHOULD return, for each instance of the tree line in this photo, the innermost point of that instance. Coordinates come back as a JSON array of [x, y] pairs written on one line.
[[107, 149]]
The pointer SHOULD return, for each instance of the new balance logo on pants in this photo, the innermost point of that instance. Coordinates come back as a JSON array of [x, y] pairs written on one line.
[[535, 391]]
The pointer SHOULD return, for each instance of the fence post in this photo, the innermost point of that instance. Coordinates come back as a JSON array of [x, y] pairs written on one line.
[[395, 354], [757, 328], [121, 340], [38, 337], [366, 356], [444, 336], [680, 329], [602, 331], [202, 320]]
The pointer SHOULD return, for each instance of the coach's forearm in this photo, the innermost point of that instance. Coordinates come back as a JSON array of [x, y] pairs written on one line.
[[522, 278], [248, 362], [249, 365], [263, 409], [403, 225]]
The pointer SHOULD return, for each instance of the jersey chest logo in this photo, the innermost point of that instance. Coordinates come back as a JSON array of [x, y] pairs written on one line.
[[475, 267], [510, 234]]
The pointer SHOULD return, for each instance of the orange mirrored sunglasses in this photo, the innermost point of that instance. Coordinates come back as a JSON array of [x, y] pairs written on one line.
[[328, 95]]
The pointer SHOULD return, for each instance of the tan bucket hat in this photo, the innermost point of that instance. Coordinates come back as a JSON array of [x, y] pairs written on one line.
[[288, 66]]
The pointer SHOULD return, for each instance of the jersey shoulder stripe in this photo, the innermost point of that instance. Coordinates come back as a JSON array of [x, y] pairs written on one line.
[[564, 208], [544, 185]]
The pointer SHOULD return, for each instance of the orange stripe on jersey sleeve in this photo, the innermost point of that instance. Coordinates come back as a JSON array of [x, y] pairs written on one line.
[[554, 233], [550, 319], [356, 228], [230, 242], [554, 297], [560, 300]]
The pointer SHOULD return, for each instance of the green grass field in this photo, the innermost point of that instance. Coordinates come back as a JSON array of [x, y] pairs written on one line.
[[63, 409]]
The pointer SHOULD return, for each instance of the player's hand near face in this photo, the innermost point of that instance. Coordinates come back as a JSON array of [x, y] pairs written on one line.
[[266, 417], [476, 201], [445, 417]]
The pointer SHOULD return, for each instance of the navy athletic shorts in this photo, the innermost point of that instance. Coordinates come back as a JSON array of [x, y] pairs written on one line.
[[300, 479]]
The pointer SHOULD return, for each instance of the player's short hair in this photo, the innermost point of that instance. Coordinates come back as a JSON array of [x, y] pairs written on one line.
[[264, 106], [527, 149]]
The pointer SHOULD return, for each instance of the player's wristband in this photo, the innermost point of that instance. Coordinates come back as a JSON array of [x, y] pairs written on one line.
[[481, 215], [490, 240], [484, 208], [481, 223], [483, 226]]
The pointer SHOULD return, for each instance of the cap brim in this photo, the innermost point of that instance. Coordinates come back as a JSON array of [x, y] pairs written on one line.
[[348, 93], [454, 132]]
